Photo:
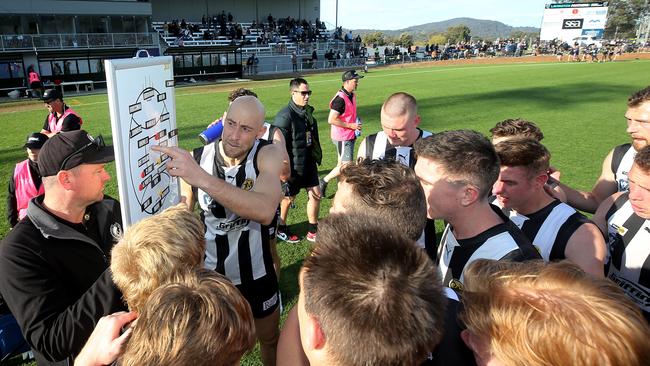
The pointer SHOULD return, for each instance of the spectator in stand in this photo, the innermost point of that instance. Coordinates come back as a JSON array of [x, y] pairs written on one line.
[[34, 81], [314, 59]]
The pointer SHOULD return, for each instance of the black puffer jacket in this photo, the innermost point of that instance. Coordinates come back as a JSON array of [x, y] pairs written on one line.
[[295, 123]]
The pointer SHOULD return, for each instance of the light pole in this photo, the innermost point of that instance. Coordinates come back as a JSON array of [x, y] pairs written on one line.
[[336, 17]]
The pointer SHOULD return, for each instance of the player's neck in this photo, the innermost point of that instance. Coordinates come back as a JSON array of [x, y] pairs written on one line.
[[474, 220], [536, 202], [230, 161]]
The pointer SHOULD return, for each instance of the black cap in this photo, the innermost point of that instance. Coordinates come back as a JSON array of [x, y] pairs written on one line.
[[35, 140], [51, 94], [67, 150], [349, 75]]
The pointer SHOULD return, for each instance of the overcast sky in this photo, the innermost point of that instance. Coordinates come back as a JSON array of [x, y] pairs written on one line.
[[395, 14]]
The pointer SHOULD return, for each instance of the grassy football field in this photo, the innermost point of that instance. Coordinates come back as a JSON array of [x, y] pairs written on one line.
[[579, 106]]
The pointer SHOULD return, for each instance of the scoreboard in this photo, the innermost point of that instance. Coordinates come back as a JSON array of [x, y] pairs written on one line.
[[566, 21]]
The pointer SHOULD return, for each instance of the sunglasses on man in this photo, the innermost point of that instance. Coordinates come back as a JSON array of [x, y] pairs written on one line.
[[97, 142], [304, 93]]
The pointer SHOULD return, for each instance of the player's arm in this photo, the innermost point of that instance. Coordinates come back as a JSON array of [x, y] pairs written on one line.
[[258, 204], [587, 249], [334, 119], [188, 195], [45, 130], [604, 186], [600, 217], [280, 142]]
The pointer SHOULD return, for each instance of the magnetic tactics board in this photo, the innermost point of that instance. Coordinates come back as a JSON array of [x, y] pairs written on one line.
[[143, 114]]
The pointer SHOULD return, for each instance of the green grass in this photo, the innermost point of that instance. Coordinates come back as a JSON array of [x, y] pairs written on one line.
[[579, 106]]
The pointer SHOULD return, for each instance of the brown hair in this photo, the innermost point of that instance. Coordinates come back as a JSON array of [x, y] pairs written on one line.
[[377, 296], [642, 159], [464, 154], [517, 127], [527, 153], [390, 192], [639, 97], [199, 320], [555, 314], [240, 92], [155, 250]]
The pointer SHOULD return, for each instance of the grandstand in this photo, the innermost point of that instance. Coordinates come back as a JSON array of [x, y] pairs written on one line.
[[66, 41]]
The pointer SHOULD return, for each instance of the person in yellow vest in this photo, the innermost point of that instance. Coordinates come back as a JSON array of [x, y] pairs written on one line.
[[60, 118], [25, 182]]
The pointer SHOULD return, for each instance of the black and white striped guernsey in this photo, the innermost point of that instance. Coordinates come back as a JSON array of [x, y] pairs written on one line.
[[269, 132], [622, 159], [628, 239], [500, 242], [235, 247], [378, 147], [550, 228]]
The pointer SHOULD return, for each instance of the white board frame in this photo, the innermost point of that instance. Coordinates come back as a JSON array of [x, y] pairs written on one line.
[[119, 107]]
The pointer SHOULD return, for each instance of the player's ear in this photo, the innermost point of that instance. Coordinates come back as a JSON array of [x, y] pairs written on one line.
[[64, 179], [469, 194], [262, 131], [417, 120], [541, 179]]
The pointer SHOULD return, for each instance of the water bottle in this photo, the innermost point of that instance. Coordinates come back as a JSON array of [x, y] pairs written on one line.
[[357, 133], [211, 133]]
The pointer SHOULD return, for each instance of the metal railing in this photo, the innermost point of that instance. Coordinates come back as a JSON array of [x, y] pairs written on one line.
[[78, 40], [303, 64]]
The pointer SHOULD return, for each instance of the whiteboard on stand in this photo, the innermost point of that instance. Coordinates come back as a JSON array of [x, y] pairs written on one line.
[[143, 114]]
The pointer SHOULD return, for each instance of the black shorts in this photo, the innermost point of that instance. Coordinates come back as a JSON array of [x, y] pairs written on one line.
[[262, 295], [308, 179]]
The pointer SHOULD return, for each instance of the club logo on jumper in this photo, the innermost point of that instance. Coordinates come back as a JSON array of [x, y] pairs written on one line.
[[572, 23], [454, 284], [248, 184], [116, 231], [621, 230]]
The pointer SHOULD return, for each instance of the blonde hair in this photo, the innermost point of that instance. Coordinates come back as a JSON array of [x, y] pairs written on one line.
[[200, 320], [154, 251], [556, 314]]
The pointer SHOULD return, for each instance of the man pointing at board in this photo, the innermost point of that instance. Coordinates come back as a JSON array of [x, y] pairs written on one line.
[[54, 269], [235, 181]]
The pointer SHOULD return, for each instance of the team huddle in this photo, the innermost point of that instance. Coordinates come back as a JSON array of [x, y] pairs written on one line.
[[519, 275]]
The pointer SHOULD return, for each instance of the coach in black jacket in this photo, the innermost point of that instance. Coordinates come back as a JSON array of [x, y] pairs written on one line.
[[54, 264], [300, 130]]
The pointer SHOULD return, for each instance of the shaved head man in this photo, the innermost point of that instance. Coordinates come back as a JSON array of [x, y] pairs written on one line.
[[235, 181]]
